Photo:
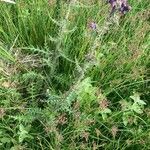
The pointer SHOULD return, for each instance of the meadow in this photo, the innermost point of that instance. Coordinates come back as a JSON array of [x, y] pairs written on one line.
[[74, 77]]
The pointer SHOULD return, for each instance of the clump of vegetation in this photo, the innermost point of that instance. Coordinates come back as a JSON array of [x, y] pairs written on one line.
[[74, 75]]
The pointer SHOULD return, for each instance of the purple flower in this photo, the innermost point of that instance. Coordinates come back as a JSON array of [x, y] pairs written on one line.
[[113, 6], [120, 5], [112, 2], [93, 25], [124, 8]]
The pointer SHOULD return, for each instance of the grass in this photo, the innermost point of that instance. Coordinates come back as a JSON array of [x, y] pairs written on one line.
[[66, 86]]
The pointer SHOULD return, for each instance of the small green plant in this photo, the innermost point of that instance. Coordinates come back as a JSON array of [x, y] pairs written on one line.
[[129, 108]]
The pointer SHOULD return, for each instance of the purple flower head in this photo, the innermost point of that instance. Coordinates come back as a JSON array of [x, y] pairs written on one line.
[[113, 6], [120, 5], [124, 8], [93, 25], [112, 2]]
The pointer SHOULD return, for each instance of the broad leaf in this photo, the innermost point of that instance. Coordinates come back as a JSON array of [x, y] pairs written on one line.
[[135, 107], [136, 98]]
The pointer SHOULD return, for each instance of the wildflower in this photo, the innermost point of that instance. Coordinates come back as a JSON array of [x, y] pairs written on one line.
[[120, 5], [85, 135], [113, 3], [104, 104], [124, 7], [113, 6], [114, 131], [62, 119], [93, 25]]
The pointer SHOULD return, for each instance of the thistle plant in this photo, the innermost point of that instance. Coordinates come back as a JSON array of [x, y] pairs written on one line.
[[68, 69]]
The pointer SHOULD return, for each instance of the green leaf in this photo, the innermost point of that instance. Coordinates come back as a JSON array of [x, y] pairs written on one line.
[[5, 140], [135, 107], [106, 111], [4, 54], [22, 133], [136, 98], [126, 116], [125, 105], [125, 119], [104, 116]]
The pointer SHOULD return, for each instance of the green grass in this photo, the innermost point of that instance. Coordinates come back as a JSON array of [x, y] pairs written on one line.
[[65, 86]]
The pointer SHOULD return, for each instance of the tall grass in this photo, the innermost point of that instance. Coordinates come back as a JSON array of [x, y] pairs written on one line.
[[66, 86]]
